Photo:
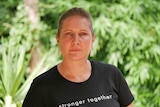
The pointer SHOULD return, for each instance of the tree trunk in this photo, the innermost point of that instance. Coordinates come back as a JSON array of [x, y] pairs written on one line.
[[32, 10]]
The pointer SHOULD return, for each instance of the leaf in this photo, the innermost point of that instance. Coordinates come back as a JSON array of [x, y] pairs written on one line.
[[19, 74], [21, 92]]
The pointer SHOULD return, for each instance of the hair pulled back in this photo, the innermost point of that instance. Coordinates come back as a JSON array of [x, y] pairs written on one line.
[[73, 12]]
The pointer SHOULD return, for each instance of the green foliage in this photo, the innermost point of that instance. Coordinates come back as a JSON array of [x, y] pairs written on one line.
[[7, 10], [13, 69], [12, 72], [15, 57], [127, 35]]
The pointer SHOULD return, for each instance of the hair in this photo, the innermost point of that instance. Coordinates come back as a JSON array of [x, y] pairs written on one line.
[[74, 12]]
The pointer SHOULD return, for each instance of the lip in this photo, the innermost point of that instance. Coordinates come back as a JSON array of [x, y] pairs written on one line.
[[75, 50]]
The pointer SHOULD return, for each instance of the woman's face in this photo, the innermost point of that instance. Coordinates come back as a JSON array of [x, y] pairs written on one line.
[[75, 40]]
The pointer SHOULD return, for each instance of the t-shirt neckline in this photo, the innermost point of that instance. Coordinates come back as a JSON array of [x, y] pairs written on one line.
[[83, 82]]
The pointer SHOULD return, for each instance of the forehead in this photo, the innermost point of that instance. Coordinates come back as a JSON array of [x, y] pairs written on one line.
[[76, 22]]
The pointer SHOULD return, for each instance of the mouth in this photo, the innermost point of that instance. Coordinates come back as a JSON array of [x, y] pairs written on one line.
[[75, 50]]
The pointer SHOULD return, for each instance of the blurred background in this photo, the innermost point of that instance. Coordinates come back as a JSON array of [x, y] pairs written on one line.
[[127, 35]]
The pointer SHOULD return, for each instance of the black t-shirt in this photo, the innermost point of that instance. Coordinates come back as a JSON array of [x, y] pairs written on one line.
[[106, 87]]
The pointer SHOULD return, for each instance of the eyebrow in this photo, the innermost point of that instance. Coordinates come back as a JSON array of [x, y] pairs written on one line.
[[65, 31], [72, 30], [84, 30]]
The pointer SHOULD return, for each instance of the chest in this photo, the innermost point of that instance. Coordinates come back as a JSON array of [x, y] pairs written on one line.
[[93, 94]]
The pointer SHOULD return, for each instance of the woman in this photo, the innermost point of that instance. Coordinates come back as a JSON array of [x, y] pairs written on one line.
[[77, 81]]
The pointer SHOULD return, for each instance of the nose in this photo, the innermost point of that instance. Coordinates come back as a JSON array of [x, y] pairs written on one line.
[[76, 40]]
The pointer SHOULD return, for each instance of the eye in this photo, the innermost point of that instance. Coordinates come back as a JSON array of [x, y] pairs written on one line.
[[83, 33], [68, 33]]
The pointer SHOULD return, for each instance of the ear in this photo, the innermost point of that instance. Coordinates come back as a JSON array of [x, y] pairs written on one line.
[[93, 38], [57, 38]]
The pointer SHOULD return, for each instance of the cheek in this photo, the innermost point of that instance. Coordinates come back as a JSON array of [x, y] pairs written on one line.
[[63, 45], [88, 44]]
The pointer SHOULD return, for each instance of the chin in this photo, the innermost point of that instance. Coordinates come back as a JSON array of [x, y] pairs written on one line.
[[77, 58]]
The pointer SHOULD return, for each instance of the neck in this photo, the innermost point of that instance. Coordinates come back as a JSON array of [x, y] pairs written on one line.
[[75, 71]]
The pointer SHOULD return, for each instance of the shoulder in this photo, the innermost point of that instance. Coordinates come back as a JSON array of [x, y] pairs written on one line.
[[101, 66], [107, 70], [46, 77]]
